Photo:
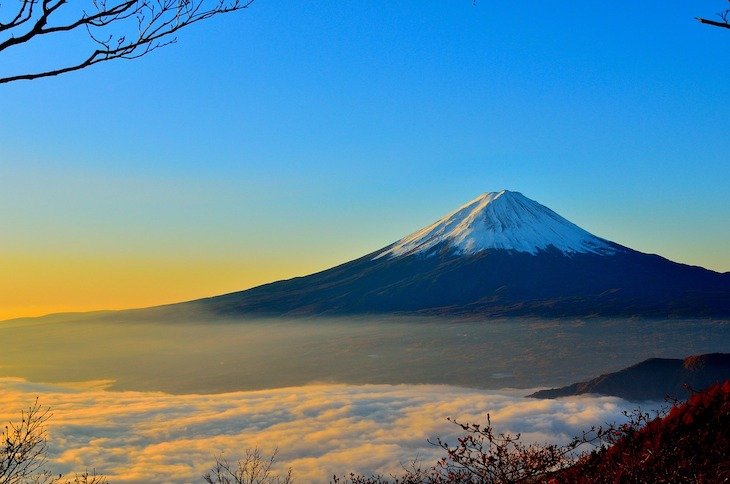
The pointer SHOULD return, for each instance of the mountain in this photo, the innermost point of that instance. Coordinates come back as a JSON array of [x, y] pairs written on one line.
[[653, 379], [500, 254], [505, 221]]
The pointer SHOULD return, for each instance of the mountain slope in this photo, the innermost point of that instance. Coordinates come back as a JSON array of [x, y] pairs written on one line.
[[653, 379], [500, 254]]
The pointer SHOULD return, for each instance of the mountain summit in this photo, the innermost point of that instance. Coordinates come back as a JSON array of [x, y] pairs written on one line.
[[501, 254], [501, 220]]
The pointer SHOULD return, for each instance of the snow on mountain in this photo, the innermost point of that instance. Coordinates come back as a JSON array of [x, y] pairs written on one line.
[[500, 220]]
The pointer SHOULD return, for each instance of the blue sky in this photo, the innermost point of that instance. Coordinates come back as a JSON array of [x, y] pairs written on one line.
[[293, 136]]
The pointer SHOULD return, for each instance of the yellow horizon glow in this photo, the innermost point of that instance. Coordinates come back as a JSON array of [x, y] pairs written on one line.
[[36, 285]]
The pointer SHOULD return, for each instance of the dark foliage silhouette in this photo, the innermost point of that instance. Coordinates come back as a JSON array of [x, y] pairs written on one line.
[[483, 455]]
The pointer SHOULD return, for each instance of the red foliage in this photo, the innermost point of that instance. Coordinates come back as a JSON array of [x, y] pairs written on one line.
[[690, 444]]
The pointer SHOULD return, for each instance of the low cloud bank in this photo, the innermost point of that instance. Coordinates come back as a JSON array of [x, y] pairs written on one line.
[[320, 430]]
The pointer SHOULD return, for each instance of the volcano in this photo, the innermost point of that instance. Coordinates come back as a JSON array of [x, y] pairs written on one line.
[[501, 254]]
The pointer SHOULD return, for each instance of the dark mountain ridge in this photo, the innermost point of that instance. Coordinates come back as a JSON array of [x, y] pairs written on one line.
[[653, 379], [500, 254], [493, 282]]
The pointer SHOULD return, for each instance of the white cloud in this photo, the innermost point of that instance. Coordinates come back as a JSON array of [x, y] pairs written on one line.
[[320, 430]]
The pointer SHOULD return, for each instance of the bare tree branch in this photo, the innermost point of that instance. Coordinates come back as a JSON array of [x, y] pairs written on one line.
[[713, 22], [125, 29], [254, 468], [23, 448], [724, 21]]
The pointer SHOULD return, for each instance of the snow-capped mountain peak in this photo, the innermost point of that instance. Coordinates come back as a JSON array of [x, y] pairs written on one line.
[[500, 220]]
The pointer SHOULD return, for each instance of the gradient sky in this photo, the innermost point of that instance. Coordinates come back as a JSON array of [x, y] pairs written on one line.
[[297, 135]]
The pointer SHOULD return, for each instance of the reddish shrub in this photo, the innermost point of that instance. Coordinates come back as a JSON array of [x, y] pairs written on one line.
[[690, 444]]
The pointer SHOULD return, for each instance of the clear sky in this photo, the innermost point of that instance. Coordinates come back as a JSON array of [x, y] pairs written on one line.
[[294, 136]]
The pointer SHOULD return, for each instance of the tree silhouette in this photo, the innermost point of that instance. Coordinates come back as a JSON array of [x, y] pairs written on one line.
[[118, 29], [253, 468], [23, 447], [724, 21]]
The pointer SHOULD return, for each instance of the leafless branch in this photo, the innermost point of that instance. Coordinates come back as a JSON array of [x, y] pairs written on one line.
[[254, 468], [125, 29], [85, 478], [724, 21], [23, 448]]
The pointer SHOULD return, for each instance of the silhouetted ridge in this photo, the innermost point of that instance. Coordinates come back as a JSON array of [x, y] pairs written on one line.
[[653, 379]]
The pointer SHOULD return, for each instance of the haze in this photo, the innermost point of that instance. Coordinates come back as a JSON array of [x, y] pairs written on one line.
[[208, 355]]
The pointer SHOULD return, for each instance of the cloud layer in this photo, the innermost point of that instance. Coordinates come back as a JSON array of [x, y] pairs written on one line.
[[320, 430]]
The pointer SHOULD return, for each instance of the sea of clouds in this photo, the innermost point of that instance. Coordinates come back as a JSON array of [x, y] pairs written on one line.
[[319, 430]]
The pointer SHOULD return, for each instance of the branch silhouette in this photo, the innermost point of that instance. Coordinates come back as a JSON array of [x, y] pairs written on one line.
[[126, 29]]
